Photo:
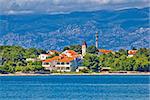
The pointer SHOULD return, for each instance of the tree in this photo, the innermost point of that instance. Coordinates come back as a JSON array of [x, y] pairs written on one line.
[[8, 68], [13, 59], [18, 68], [92, 50], [123, 52], [133, 48], [143, 51], [76, 48], [91, 61], [31, 53], [66, 48]]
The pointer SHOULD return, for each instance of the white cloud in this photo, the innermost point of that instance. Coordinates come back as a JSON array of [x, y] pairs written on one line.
[[56, 6]]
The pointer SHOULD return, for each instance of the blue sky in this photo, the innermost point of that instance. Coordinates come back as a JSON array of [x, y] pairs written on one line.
[[66, 6]]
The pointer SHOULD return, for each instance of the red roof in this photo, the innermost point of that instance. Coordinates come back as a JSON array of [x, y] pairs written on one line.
[[66, 59], [105, 51], [132, 52], [72, 52], [52, 59]]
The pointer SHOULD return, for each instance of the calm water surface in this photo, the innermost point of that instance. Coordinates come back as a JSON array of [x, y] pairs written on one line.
[[74, 88]]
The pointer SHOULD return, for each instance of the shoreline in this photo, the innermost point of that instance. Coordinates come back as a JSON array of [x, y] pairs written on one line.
[[78, 74]]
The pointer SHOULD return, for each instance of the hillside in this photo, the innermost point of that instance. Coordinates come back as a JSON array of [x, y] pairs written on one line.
[[117, 29]]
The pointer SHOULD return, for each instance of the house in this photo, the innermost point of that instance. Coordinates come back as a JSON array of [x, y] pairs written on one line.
[[131, 53], [44, 56], [68, 61], [70, 53], [67, 64], [103, 51], [50, 63]]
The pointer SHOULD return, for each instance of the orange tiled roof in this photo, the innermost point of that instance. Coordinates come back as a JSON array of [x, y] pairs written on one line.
[[105, 51], [52, 59], [132, 52], [66, 59], [60, 59], [72, 52]]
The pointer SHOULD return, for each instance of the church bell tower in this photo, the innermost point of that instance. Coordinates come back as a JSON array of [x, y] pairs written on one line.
[[84, 46]]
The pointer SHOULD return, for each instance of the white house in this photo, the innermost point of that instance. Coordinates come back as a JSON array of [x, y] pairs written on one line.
[[131, 53], [63, 62], [50, 63]]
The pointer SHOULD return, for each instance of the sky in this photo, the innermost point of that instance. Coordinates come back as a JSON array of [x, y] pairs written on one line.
[[67, 6]]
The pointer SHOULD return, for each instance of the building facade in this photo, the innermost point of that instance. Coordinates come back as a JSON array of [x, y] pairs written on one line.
[[84, 47]]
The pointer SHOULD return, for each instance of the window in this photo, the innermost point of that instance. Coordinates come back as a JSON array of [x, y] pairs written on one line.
[[67, 68], [62, 63], [46, 63], [58, 63], [67, 63]]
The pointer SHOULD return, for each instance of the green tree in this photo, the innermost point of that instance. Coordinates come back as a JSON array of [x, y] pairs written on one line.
[[123, 52], [66, 48], [76, 48], [18, 69], [91, 61], [92, 50]]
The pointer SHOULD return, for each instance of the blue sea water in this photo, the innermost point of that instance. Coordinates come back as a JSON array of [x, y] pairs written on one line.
[[74, 87]]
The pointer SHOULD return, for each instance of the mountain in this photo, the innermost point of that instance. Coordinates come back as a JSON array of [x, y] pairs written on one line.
[[117, 29]]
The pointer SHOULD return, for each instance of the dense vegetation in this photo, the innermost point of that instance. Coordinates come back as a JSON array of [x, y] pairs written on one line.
[[119, 61], [13, 59]]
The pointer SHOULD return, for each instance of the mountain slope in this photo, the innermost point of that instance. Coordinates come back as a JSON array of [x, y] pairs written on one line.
[[117, 29]]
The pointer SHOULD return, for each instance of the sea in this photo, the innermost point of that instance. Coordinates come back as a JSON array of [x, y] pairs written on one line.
[[75, 87]]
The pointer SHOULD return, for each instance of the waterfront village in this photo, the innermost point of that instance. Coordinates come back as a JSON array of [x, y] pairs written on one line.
[[70, 60], [80, 58]]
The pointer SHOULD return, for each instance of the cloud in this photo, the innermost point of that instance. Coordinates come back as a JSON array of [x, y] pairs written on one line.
[[56, 6]]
